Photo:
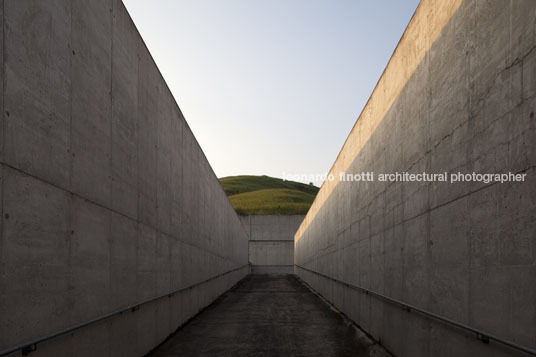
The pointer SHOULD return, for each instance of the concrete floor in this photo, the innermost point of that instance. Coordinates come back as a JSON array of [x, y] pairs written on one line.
[[269, 316]]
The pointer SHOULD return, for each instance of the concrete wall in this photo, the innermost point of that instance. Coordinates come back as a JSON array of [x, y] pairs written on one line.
[[106, 197], [271, 242], [459, 94]]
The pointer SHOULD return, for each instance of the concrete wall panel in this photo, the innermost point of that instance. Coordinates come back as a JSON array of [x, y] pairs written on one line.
[[90, 252], [123, 333], [149, 88], [124, 129], [35, 258], [123, 261], [91, 99], [37, 97]]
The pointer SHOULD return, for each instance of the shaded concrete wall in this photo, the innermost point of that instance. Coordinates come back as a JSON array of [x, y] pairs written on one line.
[[271, 242], [106, 197], [457, 95]]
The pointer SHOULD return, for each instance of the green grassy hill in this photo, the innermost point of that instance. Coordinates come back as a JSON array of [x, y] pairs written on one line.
[[251, 195]]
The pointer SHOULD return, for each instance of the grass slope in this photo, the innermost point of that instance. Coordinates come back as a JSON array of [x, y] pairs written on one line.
[[258, 195]]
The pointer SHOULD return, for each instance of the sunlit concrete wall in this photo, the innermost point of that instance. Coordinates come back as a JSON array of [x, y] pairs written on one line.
[[106, 197], [271, 242], [458, 94]]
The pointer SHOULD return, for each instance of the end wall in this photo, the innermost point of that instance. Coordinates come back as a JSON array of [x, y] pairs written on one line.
[[271, 242], [106, 197]]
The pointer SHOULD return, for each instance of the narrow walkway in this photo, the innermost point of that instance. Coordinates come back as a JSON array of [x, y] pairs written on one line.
[[269, 316]]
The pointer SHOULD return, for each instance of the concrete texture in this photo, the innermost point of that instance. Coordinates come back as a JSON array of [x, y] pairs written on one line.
[[271, 242], [457, 95], [269, 316], [106, 197]]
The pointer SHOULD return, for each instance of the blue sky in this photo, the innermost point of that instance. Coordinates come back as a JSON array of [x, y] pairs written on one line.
[[271, 87]]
